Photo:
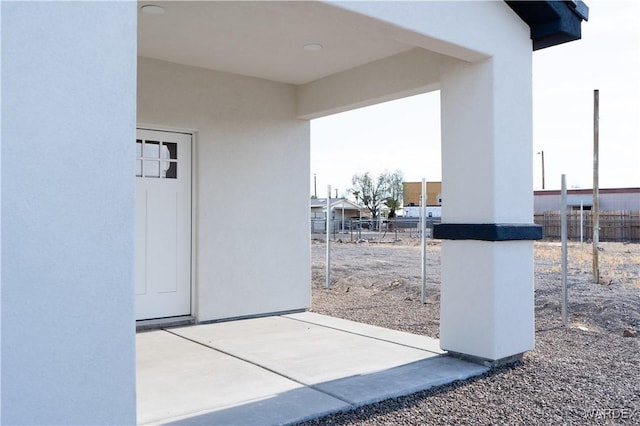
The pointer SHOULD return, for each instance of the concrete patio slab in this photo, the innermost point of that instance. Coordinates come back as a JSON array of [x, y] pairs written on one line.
[[402, 380], [281, 369], [407, 339], [178, 379], [308, 352]]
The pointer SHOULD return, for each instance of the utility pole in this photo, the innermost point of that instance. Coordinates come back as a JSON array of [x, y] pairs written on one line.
[[596, 189], [542, 155]]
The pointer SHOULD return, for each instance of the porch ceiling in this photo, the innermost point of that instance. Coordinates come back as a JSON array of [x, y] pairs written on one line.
[[265, 39]]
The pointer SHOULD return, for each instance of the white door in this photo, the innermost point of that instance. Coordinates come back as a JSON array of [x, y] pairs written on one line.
[[163, 224]]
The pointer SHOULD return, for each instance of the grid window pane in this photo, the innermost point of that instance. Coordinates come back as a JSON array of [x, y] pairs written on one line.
[[170, 169], [151, 149], [172, 150], [151, 168]]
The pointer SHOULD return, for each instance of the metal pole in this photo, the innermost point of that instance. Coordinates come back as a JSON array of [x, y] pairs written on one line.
[[395, 227], [423, 228], [581, 224], [343, 216], [328, 262], [563, 238], [596, 189], [315, 187], [351, 228], [542, 154], [542, 158]]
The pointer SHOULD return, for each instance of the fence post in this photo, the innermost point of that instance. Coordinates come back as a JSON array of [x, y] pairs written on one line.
[[596, 188], [563, 237], [423, 230], [328, 254], [581, 223]]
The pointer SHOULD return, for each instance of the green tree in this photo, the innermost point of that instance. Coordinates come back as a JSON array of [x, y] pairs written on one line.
[[394, 191]]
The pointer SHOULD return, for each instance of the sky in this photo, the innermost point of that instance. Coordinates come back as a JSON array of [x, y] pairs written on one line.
[[405, 134]]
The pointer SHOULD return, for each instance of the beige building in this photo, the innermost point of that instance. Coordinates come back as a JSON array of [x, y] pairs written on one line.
[[412, 191]]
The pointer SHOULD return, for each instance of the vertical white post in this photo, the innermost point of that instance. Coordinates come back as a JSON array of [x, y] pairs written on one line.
[[596, 187], [343, 216], [563, 238], [487, 303], [328, 257], [423, 227], [581, 224]]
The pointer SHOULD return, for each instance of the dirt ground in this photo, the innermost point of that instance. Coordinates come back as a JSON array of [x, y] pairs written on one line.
[[586, 373], [371, 272]]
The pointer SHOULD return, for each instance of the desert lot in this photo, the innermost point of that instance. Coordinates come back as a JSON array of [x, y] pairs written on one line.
[[588, 372]]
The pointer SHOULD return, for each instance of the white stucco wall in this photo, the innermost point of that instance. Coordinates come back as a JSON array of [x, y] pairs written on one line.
[[485, 84], [68, 119], [251, 155], [405, 74], [487, 287], [465, 30]]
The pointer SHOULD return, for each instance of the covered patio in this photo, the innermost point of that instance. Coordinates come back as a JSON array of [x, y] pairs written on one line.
[[282, 369], [127, 125]]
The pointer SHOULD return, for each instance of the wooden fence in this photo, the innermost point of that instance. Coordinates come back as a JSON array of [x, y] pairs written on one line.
[[622, 225]]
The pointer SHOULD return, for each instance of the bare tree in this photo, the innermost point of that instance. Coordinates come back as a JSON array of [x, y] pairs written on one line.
[[369, 192], [385, 189]]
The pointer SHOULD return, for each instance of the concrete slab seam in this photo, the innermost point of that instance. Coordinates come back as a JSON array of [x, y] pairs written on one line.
[[363, 335], [262, 367]]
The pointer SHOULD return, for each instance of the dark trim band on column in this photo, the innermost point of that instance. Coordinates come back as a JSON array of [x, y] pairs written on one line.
[[487, 231]]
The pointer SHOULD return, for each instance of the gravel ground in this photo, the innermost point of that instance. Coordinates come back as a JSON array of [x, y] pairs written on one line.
[[587, 373]]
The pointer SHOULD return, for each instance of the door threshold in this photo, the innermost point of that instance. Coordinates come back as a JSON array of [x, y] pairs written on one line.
[[158, 323]]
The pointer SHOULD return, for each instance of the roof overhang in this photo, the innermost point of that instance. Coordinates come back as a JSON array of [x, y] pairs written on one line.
[[552, 22]]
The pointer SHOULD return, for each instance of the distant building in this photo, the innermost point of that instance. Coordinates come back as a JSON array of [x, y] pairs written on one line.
[[610, 199], [411, 199], [351, 210], [343, 212], [413, 190]]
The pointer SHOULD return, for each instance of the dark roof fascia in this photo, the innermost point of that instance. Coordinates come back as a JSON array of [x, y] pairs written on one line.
[[552, 22]]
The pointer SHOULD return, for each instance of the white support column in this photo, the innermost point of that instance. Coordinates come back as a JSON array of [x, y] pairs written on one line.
[[68, 131], [487, 252]]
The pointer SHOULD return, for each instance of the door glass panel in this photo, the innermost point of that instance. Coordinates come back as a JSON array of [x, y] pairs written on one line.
[[170, 169], [169, 152], [172, 150], [151, 168], [151, 150], [164, 151], [156, 159], [138, 155]]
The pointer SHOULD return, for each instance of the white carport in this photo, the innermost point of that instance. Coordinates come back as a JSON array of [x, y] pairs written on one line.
[[79, 77]]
